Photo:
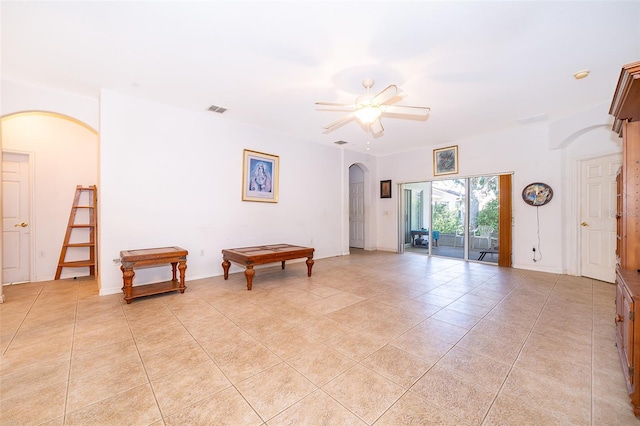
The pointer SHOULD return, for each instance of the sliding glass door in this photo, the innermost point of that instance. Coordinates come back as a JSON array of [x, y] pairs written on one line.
[[448, 214], [457, 218], [416, 217], [484, 213]]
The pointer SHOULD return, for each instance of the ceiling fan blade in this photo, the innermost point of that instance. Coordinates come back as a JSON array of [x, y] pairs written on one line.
[[334, 104], [342, 120], [386, 95], [406, 110], [376, 127]]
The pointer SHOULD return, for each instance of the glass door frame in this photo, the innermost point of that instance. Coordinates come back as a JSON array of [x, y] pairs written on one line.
[[502, 238]]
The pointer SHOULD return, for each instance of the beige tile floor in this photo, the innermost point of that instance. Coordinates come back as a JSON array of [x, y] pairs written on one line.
[[370, 338]]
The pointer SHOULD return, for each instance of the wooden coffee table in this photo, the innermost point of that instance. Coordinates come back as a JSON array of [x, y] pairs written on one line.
[[258, 255]]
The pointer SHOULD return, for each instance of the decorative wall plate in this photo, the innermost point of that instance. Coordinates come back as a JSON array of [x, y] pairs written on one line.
[[537, 194]]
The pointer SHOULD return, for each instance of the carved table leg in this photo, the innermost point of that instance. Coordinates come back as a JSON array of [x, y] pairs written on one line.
[[127, 276], [249, 273], [225, 267], [173, 270], [123, 281], [310, 263], [283, 264], [182, 267]]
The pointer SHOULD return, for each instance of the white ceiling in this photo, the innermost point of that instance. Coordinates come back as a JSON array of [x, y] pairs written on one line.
[[481, 66]]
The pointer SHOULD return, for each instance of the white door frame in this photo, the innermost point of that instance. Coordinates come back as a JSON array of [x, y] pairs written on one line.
[[32, 207], [401, 221]]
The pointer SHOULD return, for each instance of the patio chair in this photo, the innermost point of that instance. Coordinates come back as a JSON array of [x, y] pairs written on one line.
[[483, 233], [459, 234]]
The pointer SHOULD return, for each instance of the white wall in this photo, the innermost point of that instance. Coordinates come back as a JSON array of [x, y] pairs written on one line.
[[523, 151], [17, 97], [174, 177], [64, 154]]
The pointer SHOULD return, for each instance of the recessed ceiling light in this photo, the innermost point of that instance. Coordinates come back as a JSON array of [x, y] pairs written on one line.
[[581, 74]]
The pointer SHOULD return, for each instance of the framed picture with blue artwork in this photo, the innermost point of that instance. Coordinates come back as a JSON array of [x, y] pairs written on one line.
[[260, 174], [445, 160]]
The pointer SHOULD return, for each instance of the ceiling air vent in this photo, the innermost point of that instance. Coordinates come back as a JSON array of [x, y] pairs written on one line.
[[340, 142], [214, 108]]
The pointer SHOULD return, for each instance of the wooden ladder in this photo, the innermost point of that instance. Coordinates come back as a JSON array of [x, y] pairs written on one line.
[[89, 215]]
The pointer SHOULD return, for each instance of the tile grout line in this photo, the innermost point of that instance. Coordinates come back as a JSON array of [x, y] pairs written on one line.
[[524, 343], [452, 347], [593, 346], [73, 334], [23, 319], [231, 383]]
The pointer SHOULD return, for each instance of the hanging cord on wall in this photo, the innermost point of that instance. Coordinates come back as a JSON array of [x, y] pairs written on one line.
[[537, 253]]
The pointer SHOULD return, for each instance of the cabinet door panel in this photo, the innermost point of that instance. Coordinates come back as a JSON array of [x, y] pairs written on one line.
[[625, 320]]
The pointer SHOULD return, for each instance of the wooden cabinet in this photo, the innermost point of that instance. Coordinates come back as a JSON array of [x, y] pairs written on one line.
[[618, 215], [629, 212], [626, 110], [628, 331]]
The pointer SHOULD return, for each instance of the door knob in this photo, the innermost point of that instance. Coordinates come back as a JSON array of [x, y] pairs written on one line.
[[20, 224], [584, 224]]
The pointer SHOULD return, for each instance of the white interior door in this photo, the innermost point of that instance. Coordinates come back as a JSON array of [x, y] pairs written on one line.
[[597, 217], [15, 218], [356, 215]]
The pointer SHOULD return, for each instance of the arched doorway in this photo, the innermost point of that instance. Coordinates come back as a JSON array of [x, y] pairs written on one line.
[[59, 153]]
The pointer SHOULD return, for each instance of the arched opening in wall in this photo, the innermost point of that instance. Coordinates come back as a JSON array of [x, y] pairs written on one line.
[[45, 157], [593, 156], [356, 206]]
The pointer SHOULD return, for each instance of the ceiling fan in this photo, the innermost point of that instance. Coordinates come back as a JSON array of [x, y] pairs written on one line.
[[368, 108]]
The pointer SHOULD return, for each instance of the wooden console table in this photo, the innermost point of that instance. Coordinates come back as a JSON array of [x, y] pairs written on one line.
[[249, 256], [130, 259]]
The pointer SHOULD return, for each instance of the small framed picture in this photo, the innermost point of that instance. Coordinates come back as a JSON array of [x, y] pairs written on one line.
[[385, 189], [260, 173], [445, 160]]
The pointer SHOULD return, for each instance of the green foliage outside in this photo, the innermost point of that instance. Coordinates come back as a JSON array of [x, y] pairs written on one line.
[[448, 218], [444, 220], [448, 221], [489, 215]]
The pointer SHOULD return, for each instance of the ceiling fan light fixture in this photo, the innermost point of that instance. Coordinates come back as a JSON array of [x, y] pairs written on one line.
[[368, 114], [368, 109]]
